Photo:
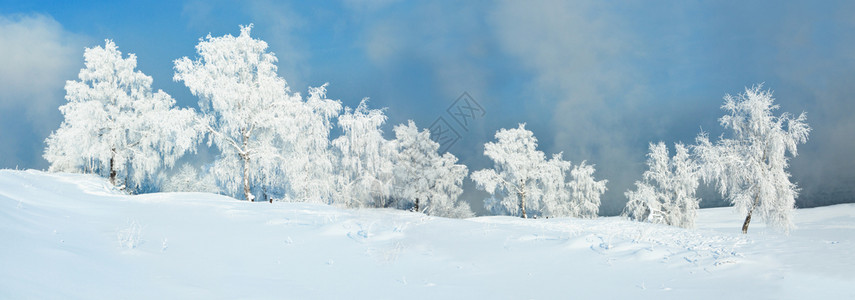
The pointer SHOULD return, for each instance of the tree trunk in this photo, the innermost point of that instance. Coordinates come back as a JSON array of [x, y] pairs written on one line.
[[745, 225], [246, 192], [417, 205], [112, 167], [245, 156], [756, 201], [521, 192], [750, 211], [264, 196]]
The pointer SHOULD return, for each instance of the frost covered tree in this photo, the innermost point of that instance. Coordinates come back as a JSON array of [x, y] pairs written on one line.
[[749, 168], [425, 180], [522, 182], [115, 125], [188, 179], [515, 177], [365, 158], [553, 190], [667, 193], [585, 191], [447, 189], [643, 204], [248, 109], [308, 160], [579, 197]]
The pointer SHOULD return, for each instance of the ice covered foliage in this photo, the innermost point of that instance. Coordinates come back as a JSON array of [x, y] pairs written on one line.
[[585, 191], [424, 180], [188, 179], [249, 112], [522, 182], [749, 167], [365, 177], [666, 194], [115, 125], [309, 161], [517, 173]]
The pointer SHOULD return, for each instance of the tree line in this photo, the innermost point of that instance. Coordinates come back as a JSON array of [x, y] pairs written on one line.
[[274, 144]]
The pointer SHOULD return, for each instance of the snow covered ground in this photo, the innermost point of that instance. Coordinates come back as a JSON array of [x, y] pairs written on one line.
[[68, 236]]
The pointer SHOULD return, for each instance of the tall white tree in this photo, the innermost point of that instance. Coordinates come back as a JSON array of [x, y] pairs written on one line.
[[585, 191], [365, 158], [249, 110], [667, 193], [447, 189], [309, 162], [522, 182], [516, 174], [684, 186], [115, 125], [749, 168], [424, 180], [555, 195]]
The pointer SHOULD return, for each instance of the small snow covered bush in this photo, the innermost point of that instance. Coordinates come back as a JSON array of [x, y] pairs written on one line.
[[131, 236]]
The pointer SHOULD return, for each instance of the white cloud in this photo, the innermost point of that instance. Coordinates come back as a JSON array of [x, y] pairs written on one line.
[[37, 56], [568, 45], [446, 39], [36, 59], [278, 24], [199, 14], [383, 42]]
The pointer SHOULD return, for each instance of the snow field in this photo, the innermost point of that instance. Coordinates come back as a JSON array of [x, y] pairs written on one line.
[[63, 238]]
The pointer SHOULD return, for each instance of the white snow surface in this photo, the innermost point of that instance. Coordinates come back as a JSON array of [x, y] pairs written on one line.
[[71, 236]]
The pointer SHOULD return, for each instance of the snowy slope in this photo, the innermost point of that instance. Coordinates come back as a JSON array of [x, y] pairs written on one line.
[[60, 239]]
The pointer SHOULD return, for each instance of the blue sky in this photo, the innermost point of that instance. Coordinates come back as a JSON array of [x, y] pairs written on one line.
[[594, 79]]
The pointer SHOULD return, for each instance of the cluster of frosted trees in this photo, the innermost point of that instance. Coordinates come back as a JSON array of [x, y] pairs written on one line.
[[666, 194], [748, 167], [524, 183], [273, 143], [115, 125]]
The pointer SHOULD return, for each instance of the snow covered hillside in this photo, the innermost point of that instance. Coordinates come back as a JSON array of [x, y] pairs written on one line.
[[68, 236]]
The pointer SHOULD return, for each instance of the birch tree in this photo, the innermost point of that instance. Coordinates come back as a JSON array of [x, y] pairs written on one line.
[[516, 173], [365, 158], [749, 167], [308, 160], [424, 180], [248, 109], [522, 182], [667, 193], [115, 125], [585, 191]]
